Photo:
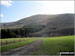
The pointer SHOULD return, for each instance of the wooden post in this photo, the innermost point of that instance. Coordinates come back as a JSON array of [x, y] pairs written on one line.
[[14, 40], [6, 42]]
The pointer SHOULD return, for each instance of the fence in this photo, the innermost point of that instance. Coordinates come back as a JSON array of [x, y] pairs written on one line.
[[6, 42]]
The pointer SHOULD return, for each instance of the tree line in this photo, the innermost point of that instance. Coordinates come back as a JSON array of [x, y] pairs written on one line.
[[10, 33], [27, 32], [19, 32]]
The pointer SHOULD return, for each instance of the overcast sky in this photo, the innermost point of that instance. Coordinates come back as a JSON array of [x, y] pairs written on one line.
[[16, 10]]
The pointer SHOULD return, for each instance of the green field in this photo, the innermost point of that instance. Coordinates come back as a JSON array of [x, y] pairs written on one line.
[[16, 44], [52, 46], [13, 40], [49, 46]]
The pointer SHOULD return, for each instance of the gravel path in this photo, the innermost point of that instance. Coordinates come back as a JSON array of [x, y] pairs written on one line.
[[25, 50]]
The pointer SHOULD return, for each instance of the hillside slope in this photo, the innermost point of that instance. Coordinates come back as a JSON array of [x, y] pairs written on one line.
[[45, 25]]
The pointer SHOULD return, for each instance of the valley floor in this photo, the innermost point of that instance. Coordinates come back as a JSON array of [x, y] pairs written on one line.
[[45, 46], [25, 50]]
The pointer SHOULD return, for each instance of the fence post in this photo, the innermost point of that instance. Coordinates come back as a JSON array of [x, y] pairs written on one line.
[[6, 42], [14, 40]]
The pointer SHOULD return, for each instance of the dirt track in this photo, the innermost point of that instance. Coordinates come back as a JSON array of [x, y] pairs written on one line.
[[25, 50]]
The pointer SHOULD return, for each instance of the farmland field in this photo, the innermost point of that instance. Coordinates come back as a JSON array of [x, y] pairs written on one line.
[[18, 43], [41, 46], [13, 40], [55, 45]]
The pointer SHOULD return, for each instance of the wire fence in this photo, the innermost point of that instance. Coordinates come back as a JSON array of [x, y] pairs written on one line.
[[6, 42]]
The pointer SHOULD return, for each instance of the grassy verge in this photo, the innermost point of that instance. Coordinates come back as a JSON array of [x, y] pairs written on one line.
[[13, 40], [15, 45], [52, 46]]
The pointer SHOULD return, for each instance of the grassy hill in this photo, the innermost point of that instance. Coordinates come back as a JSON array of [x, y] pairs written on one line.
[[48, 20], [45, 25]]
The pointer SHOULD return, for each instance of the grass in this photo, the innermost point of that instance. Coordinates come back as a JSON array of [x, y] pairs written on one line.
[[12, 40], [16, 45], [52, 46]]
